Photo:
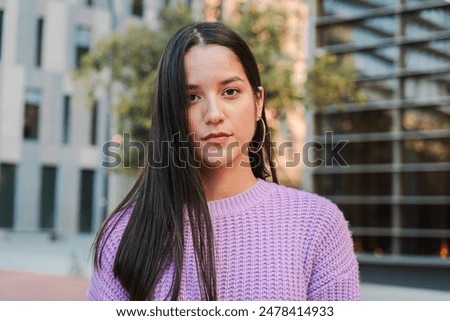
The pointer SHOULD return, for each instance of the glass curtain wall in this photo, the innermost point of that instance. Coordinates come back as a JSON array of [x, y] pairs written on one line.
[[396, 190]]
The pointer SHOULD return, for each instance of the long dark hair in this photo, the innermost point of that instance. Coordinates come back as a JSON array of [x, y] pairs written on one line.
[[162, 195]]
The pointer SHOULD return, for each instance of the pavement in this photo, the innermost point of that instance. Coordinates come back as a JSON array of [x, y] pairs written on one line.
[[38, 253], [35, 267], [26, 286]]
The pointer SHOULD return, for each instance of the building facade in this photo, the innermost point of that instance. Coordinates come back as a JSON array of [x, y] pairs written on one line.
[[50, 149], [395, 191]]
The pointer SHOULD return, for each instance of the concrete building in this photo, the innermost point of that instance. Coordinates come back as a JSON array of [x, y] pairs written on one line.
[[396, 190], [50, 149]]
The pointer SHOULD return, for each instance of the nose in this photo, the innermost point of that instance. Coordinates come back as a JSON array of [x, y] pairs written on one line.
[[214, 113]]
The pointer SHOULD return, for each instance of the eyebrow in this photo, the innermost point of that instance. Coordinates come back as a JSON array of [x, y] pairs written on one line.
[[222, 83]]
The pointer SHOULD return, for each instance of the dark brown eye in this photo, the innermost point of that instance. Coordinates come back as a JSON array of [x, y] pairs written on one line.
[[230, 92], [193, 97]]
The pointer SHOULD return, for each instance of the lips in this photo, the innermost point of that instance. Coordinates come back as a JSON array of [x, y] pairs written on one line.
[[217, 137]]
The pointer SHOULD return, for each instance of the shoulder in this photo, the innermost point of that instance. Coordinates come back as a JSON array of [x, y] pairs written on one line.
[[316, 214], [112, 232], [118, 221], [306, 202], [103, 284]]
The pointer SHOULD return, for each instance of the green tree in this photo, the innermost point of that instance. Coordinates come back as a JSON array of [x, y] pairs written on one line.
[[263, 30], [331, 81], [128, 61]]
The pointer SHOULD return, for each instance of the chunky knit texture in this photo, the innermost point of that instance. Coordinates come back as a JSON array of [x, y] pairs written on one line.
[[272, 243]]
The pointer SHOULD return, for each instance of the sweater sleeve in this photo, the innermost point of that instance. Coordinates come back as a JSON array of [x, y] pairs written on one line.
[[335, 272], [104, 286]]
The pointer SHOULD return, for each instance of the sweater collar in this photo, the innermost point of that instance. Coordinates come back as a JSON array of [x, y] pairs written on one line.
[[242, 201]]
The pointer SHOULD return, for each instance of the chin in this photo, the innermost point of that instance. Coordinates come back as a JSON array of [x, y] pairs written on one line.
[[216, 163], [225, 163]]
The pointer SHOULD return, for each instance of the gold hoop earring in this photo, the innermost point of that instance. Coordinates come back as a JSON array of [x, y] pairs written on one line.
[[255, 150]]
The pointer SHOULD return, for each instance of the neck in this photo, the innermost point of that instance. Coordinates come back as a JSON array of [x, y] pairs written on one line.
[[225, 182]]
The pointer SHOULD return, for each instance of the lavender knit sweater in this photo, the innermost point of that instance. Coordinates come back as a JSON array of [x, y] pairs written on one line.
[[272, 243]]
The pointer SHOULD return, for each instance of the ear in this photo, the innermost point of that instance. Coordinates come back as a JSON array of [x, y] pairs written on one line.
[[259, 102]]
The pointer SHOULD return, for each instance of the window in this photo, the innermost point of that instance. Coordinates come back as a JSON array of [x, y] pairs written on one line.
[[363, 32], [433, 117], [7, 192], [31, 121], [375, 215], [48, 194], [378, 245], [436, 183], [376, 90], [1, 32], [350, 7], [426, 216], [354, 122], [423, 23], [353, 184], [426, 86], [66, 120], [31, 117], [353, 153], [137, 8], [86, 201], [426, 150], [93, 129], [40, 30], [83, 43], [375, 62], [429, 56]]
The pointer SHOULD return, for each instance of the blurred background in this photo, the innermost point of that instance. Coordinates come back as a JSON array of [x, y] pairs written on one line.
[[75, 74]]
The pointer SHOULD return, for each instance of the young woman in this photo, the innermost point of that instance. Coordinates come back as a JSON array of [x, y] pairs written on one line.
[[202, 222]]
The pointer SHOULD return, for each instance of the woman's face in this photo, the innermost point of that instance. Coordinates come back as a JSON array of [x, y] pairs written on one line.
[[223, 107]]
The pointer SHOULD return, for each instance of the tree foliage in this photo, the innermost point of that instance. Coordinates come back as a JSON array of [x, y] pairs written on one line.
[[263, 31], [331, 81]]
